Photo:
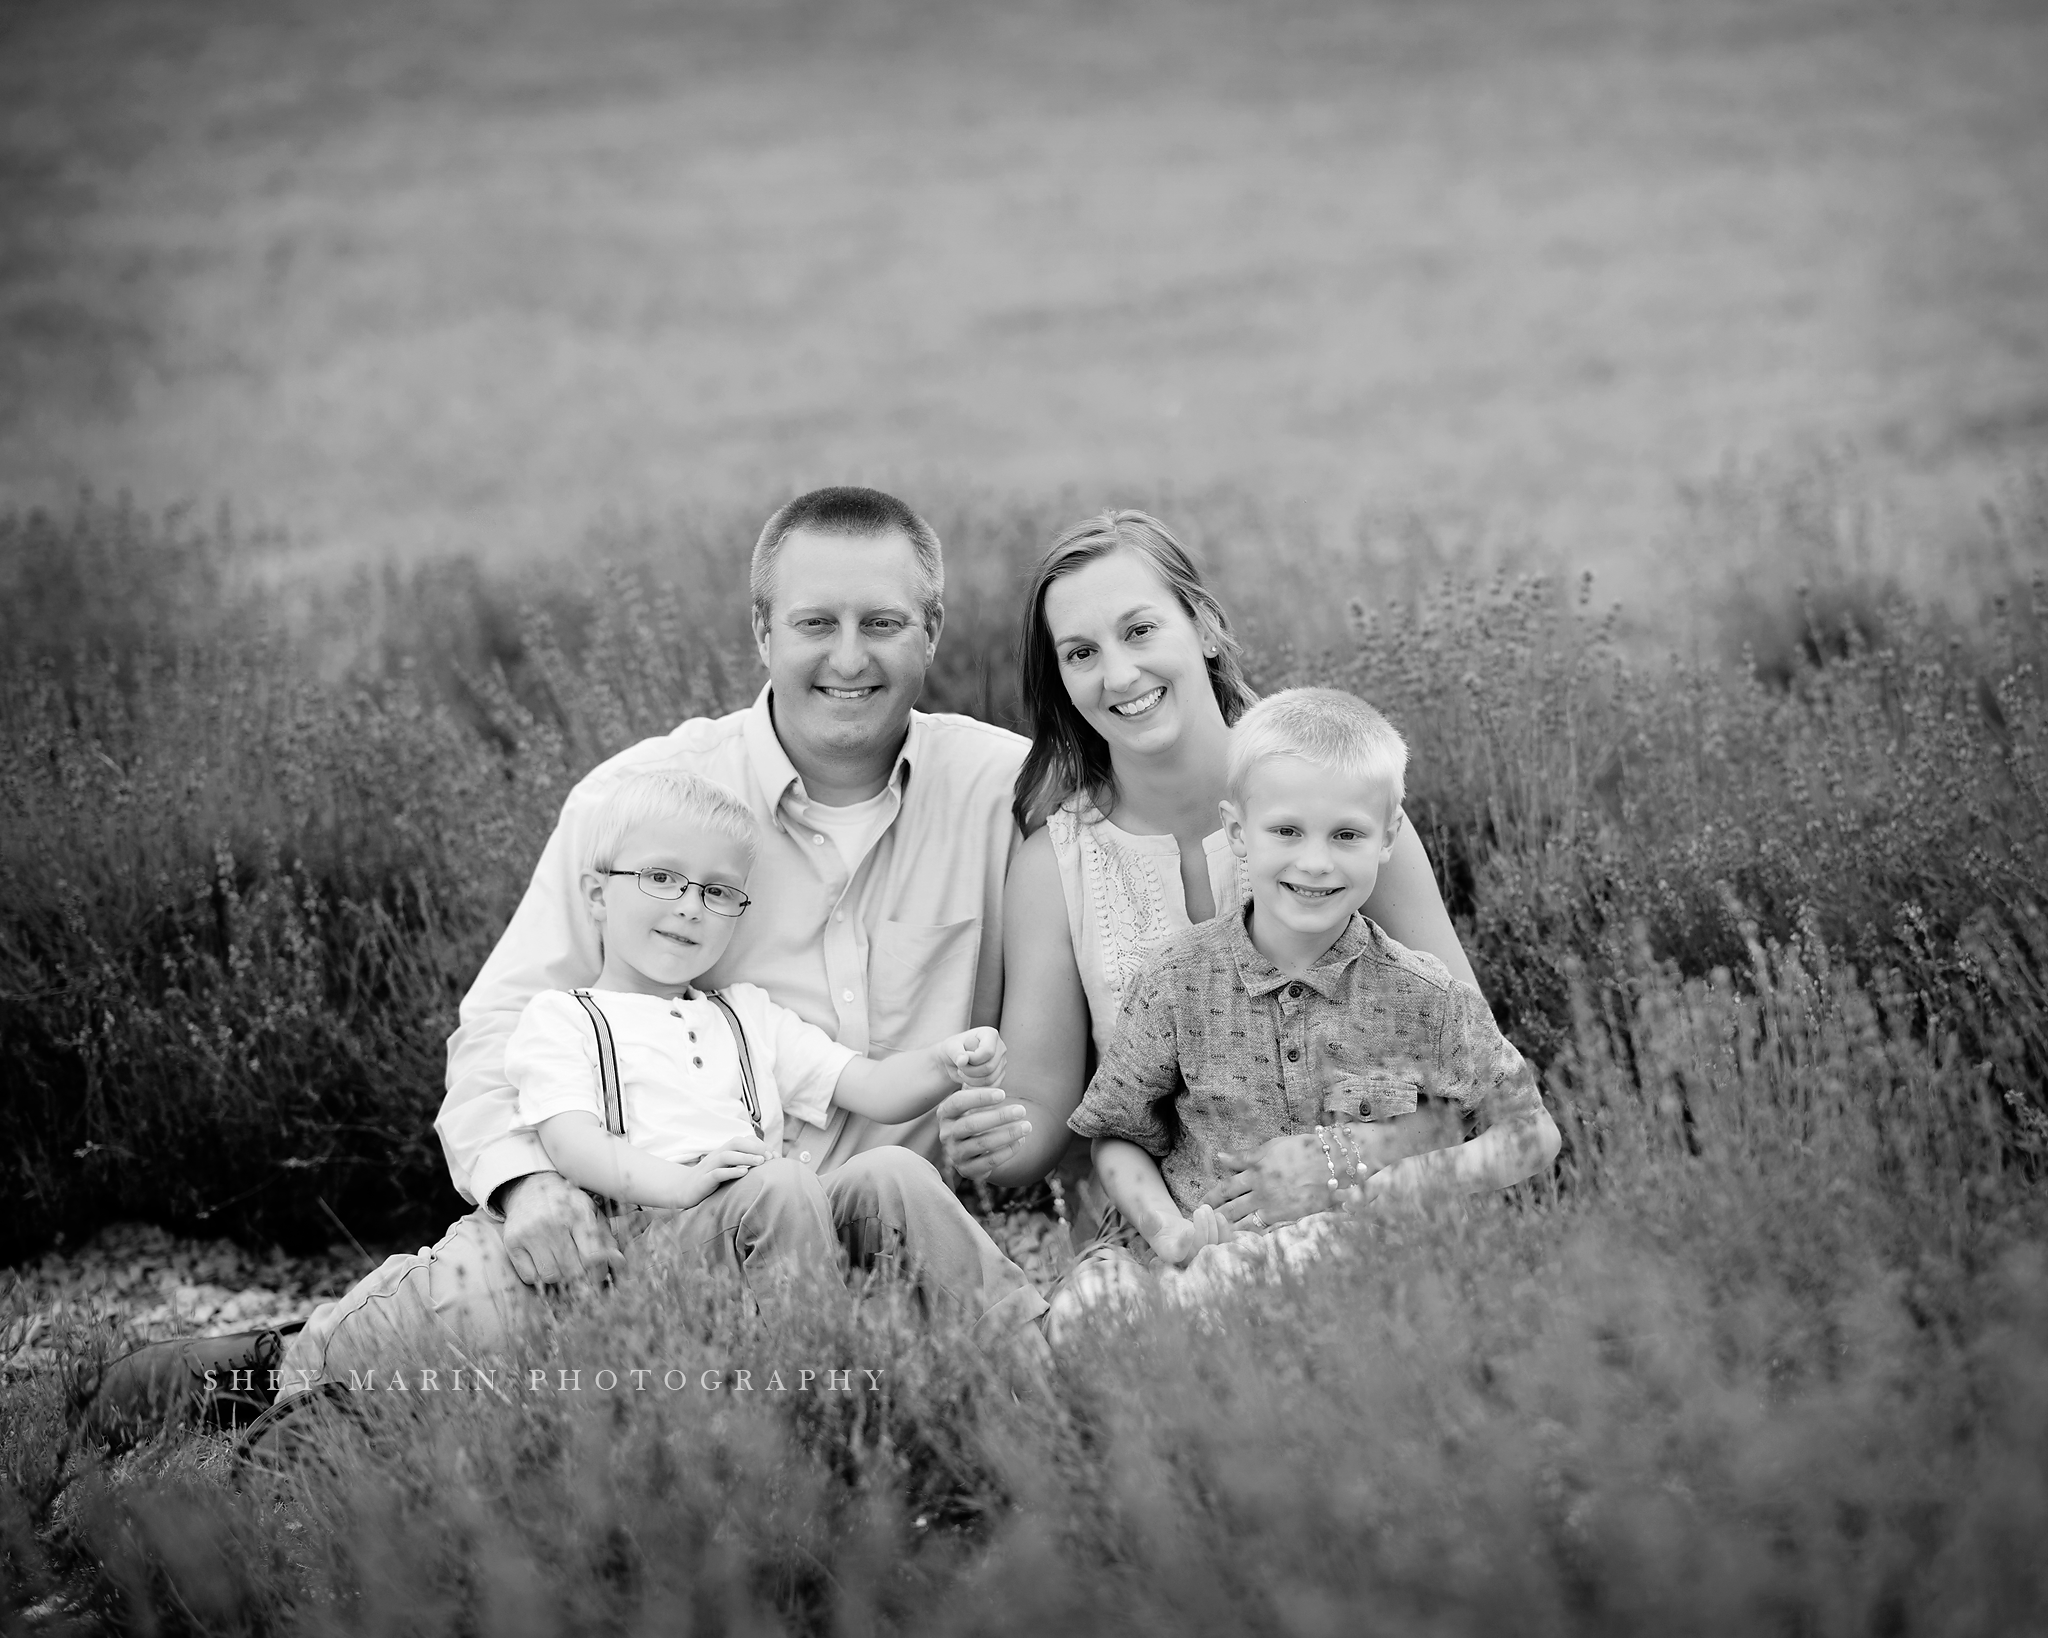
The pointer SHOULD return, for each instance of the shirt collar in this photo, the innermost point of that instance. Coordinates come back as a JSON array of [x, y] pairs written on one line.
[[776, 775], [1261, 977]]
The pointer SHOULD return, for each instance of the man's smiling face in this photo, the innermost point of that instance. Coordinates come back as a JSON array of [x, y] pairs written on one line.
[[846, 644]]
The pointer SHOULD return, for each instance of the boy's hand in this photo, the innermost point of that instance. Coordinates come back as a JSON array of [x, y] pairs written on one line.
[[727, 1164], [977, 1058], [1178, 1241]]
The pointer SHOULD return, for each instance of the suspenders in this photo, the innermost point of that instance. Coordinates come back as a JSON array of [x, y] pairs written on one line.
[[608, 1071], [717, 999]]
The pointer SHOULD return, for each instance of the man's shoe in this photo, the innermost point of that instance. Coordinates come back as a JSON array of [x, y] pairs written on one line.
[[188, 1381], [298, 1431]]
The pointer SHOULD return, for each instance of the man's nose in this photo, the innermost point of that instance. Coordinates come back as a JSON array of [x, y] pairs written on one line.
[[849, 651]]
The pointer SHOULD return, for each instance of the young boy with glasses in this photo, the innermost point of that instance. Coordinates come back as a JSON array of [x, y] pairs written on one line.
[[651, 1093]]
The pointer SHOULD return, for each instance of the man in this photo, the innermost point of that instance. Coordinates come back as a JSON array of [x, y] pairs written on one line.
[[877, 916]]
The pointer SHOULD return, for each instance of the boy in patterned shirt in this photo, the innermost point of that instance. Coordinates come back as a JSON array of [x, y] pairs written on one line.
[[1296, 1013]]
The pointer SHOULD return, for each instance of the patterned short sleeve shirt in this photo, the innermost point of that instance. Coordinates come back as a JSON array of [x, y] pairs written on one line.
[[1216, 1048]]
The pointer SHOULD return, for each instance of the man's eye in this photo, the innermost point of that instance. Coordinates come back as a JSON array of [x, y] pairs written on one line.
[[886, 625]]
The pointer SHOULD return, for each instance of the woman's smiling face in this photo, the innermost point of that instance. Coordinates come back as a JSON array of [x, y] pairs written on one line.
[[1130, 656]]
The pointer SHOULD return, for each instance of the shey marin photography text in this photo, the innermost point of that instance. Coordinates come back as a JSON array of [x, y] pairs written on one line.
[[504, 1380]]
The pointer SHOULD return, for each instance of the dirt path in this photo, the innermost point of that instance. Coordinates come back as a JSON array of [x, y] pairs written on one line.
[[134, 1283]]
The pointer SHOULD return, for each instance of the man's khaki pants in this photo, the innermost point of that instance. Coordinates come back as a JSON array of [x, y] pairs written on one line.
[[453, 1302]]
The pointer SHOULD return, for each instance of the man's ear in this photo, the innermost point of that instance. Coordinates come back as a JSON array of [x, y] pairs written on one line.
[[934, 623], [592, 886], [1233, 828], [760, 625]]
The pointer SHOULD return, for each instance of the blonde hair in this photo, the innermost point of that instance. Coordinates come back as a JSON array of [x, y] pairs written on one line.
[[668, 793], [1324, 726]]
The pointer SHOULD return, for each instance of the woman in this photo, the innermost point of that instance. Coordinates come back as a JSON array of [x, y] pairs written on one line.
[[1131, 680]]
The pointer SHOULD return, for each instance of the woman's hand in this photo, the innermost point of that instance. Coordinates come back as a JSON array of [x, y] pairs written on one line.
[[979, 1130], [1287, 1178]]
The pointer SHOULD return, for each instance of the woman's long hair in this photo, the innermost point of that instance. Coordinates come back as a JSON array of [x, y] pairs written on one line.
[[1066, 754]]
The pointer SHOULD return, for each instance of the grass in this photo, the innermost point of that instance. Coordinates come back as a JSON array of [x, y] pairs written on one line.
[[1763, 1355]]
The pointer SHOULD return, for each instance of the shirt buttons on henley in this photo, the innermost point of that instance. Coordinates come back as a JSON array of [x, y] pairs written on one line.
[[1293, 1054], [846, 995], [1294, 990], [803, 1156]]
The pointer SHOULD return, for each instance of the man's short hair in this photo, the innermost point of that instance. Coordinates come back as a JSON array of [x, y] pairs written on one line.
[[668, 793], [1324, 726], [846, 510]]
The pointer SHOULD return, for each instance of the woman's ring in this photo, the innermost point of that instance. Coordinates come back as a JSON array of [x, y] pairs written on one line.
[[1259, 1217]]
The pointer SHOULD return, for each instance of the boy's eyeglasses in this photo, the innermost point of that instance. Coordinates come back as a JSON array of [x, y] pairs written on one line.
[[719, 899]]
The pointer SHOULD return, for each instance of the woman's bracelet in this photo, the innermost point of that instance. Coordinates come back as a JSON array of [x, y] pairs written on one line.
[[1329, 1160], [1351, 1155]]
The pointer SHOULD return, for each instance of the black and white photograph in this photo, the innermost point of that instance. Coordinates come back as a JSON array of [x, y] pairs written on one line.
[[1020, 817]]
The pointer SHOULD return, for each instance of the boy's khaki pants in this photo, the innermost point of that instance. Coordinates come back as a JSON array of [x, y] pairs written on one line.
[[459, 1299]]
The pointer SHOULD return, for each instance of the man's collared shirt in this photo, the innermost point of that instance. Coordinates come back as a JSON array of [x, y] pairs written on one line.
[[1216, 1048], [900, 951]]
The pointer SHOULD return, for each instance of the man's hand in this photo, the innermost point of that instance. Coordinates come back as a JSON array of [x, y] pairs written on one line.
[[979, 1131], [553, 1234], [977, 1058], [1286, 1179]]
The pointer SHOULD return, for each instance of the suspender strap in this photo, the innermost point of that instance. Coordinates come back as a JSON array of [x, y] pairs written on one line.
[[608, 1074], [739, 1035]]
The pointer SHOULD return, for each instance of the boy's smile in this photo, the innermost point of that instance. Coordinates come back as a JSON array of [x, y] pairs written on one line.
[[1313, 842], [655, 946]]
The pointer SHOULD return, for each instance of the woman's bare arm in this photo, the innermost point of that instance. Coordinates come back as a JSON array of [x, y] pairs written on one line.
[[1409, 909], [1018, 1137]]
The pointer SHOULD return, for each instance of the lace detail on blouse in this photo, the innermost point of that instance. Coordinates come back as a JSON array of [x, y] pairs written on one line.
[[1125, 899], [1129, 909]]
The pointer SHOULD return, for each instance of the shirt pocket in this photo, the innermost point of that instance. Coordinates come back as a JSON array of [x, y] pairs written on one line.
[[921, 982]]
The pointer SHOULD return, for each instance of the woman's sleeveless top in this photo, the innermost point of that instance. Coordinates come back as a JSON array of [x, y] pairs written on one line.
[[1125, 899]]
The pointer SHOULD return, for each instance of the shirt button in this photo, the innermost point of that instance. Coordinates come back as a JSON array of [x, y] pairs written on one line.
[[1295, 991], [1293, 1054], [817, 841], [804, 1156], [838, 915], [699, 1062], [846, 995]]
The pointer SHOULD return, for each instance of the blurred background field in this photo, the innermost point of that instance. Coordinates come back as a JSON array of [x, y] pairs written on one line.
[[464, 276], [452, 354]]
